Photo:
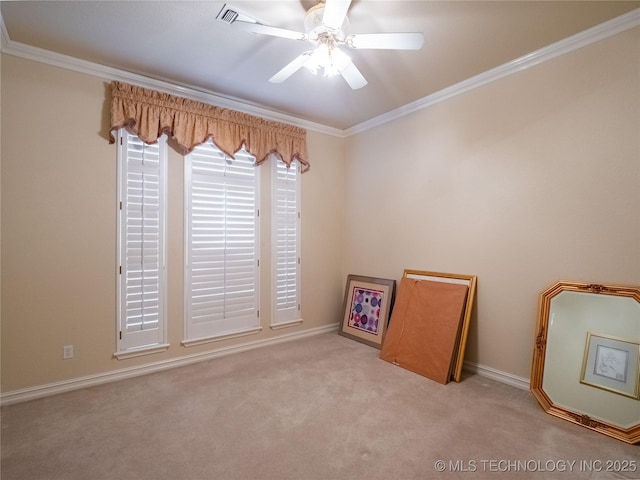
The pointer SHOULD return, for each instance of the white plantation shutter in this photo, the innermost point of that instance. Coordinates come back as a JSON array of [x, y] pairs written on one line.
[[221, 229], [142, 174], [285, 240]]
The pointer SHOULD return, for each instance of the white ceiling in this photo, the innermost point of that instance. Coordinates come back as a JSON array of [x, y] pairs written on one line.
[[181, 42]]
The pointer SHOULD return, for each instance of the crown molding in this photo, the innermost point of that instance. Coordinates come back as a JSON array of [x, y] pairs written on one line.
[[191, 92], [595, 34], [587, 37]]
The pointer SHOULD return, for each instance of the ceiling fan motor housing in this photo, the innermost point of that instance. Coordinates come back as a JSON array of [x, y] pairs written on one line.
[[317, 32]]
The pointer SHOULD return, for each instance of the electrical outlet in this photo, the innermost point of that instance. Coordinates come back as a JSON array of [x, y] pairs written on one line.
[[67, 352]]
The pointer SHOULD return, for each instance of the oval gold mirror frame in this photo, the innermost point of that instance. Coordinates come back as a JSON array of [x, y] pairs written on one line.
[[627, 430]]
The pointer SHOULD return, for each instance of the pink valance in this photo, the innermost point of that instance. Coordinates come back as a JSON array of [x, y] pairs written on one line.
[[148, 114]]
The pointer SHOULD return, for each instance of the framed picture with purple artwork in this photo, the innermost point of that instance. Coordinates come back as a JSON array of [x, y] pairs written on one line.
[[367, 306]]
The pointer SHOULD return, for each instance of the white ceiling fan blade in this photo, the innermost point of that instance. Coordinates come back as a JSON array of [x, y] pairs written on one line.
[[335, 11], [390, 41], [353, 76], [290, 68], [267, 30]]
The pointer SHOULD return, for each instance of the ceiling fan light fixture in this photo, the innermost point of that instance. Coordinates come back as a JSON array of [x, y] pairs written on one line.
[[317, 59], [339, 60], [331, 60], [324, 28]]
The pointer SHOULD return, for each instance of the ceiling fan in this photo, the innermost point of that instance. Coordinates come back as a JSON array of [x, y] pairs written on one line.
[[324, 28]]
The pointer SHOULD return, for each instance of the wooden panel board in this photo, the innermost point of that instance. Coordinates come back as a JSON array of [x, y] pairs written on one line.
[[424, 331]]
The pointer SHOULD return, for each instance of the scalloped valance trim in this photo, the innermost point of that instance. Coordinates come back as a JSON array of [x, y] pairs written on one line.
[[149, 114]]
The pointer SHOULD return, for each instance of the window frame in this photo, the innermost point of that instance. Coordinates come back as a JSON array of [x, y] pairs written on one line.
[[126, 344], [288, 316], [190, 335]]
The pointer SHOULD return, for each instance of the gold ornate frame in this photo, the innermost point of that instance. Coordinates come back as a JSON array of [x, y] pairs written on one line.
[[630, 434]]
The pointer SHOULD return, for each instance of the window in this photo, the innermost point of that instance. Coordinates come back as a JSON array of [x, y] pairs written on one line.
[[285, 243], [222, 254], [221, 244], [141, 249]]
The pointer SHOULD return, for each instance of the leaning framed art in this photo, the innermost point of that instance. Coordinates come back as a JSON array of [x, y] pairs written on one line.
[[585, 356], [430, 322], [367, 305], [612, 364]]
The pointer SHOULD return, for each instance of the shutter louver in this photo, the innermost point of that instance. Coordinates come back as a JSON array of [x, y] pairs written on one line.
[[141, 243], [221, 271], [286, 242]]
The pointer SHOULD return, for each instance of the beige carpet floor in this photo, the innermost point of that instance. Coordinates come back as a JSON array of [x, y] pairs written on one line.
[[324, 407]]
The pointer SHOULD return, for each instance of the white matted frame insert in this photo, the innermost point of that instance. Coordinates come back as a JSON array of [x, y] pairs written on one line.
[[612, 364]]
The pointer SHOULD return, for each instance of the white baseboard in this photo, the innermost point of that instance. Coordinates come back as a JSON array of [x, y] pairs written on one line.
[[497, 375], [40, 391]]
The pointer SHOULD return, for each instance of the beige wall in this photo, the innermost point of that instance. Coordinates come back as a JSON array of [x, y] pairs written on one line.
[[523, 182], [59, 232]]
